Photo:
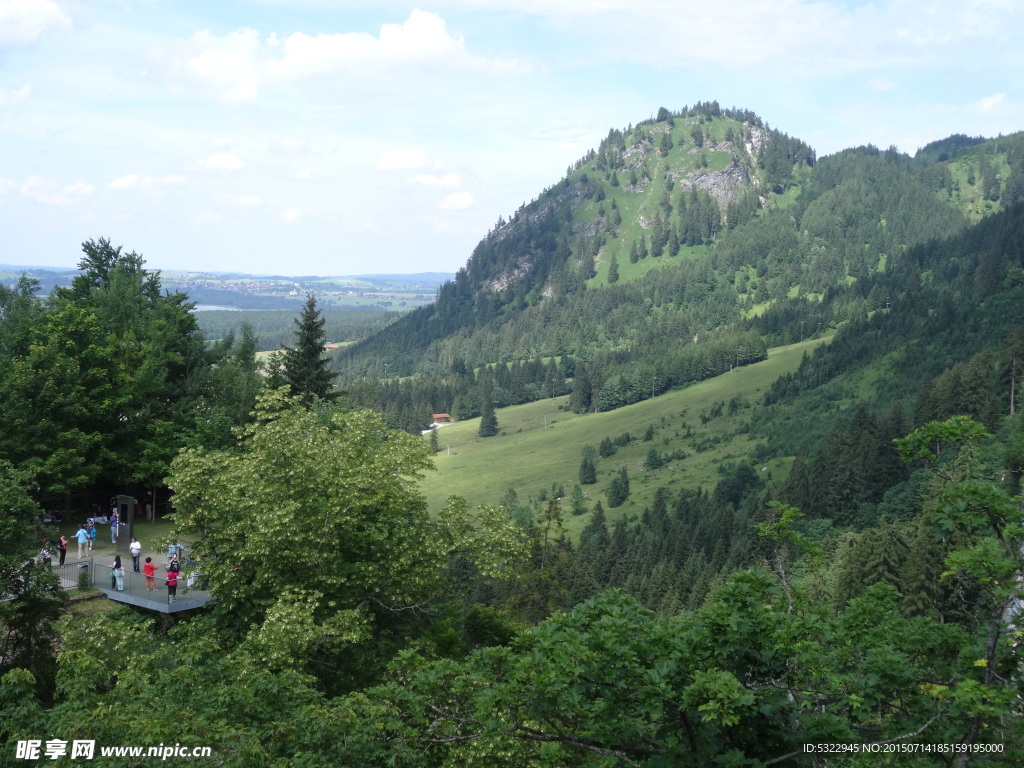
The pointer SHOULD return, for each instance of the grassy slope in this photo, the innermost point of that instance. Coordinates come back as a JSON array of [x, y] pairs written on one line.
[[530, 457]]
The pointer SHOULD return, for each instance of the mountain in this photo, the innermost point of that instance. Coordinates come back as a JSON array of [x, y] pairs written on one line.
[[681, 247], [734, 217]]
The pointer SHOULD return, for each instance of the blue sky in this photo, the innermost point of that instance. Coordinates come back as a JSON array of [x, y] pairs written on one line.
[[342, 137]]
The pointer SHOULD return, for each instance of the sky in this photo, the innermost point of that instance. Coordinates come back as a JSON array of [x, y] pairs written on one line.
[[334, 137]]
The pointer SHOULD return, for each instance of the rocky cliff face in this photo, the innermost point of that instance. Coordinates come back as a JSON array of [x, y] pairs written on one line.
[[725, 186], [654, 170]]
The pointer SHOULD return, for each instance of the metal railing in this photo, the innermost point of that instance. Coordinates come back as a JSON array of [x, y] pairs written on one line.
[[69, 573], [137, 585]]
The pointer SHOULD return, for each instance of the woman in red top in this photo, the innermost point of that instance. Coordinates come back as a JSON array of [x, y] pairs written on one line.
[[150, 570], [172, 582]]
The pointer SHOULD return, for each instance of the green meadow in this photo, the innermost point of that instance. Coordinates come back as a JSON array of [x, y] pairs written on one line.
[[540, 444]]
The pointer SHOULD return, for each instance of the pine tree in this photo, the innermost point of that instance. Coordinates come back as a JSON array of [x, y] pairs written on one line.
[[618, 491], [488, 418], [304, 365], [588, 472], [613, 271], [579, 500]]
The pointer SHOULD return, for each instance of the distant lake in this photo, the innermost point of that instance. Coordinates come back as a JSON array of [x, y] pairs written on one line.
[[207, 307]]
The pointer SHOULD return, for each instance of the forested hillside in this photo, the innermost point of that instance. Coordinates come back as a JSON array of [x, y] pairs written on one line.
[[611, 272]]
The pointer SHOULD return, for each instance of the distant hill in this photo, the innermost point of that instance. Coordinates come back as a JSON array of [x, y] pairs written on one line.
[[239, 290], [416, 278]]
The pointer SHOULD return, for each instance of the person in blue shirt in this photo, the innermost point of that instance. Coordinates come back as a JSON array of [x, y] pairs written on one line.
[[83, 537], [114, 520]]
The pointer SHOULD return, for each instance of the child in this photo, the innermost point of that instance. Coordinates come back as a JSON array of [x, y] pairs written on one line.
[[150, 570]]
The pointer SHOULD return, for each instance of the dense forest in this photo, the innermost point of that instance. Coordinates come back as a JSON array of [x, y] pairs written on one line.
[[868, 596], [273, 329]]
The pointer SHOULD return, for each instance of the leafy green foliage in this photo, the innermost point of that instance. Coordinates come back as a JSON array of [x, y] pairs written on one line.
[[328, 500], [610, 682], [33, 599], [311, 534], [105, 379]]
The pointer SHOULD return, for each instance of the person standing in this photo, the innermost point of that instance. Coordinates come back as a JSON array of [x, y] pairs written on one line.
[[62, 547], [150, 570], [135, 549], [172, 583], [92, 534], [118, 573], [83, 539], [114, 520]]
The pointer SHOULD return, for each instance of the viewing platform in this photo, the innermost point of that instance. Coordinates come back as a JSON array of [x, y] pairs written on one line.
[[188, 597]]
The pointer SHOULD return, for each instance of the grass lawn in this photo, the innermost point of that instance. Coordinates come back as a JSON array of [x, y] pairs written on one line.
[[540, 443]]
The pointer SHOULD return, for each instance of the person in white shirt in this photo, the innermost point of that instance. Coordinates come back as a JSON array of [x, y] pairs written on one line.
[[136, 549]]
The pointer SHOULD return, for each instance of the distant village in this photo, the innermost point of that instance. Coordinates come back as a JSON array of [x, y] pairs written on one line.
[[385, 291]]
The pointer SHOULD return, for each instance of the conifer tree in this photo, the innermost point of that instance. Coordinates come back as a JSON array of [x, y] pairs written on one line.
[[613, 271], [618, 491], [488, 418], [305, 367], [579, 500]]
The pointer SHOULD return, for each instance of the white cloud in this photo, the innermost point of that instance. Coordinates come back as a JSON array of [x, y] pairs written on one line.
[[447, 181], [78, 188], [456, 201], [22, 22], [290, 216], [240, 64], [138, 181], [881, 83], [990, 103], [245, 202], [10, 97], [222, 161], [813, 38], [401, 159], [305, 173], [208, 217], [423, 36], [229, 63], [40, 190]]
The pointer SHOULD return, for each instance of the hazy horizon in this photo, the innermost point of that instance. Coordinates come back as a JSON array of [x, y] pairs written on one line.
[[335, 134]]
